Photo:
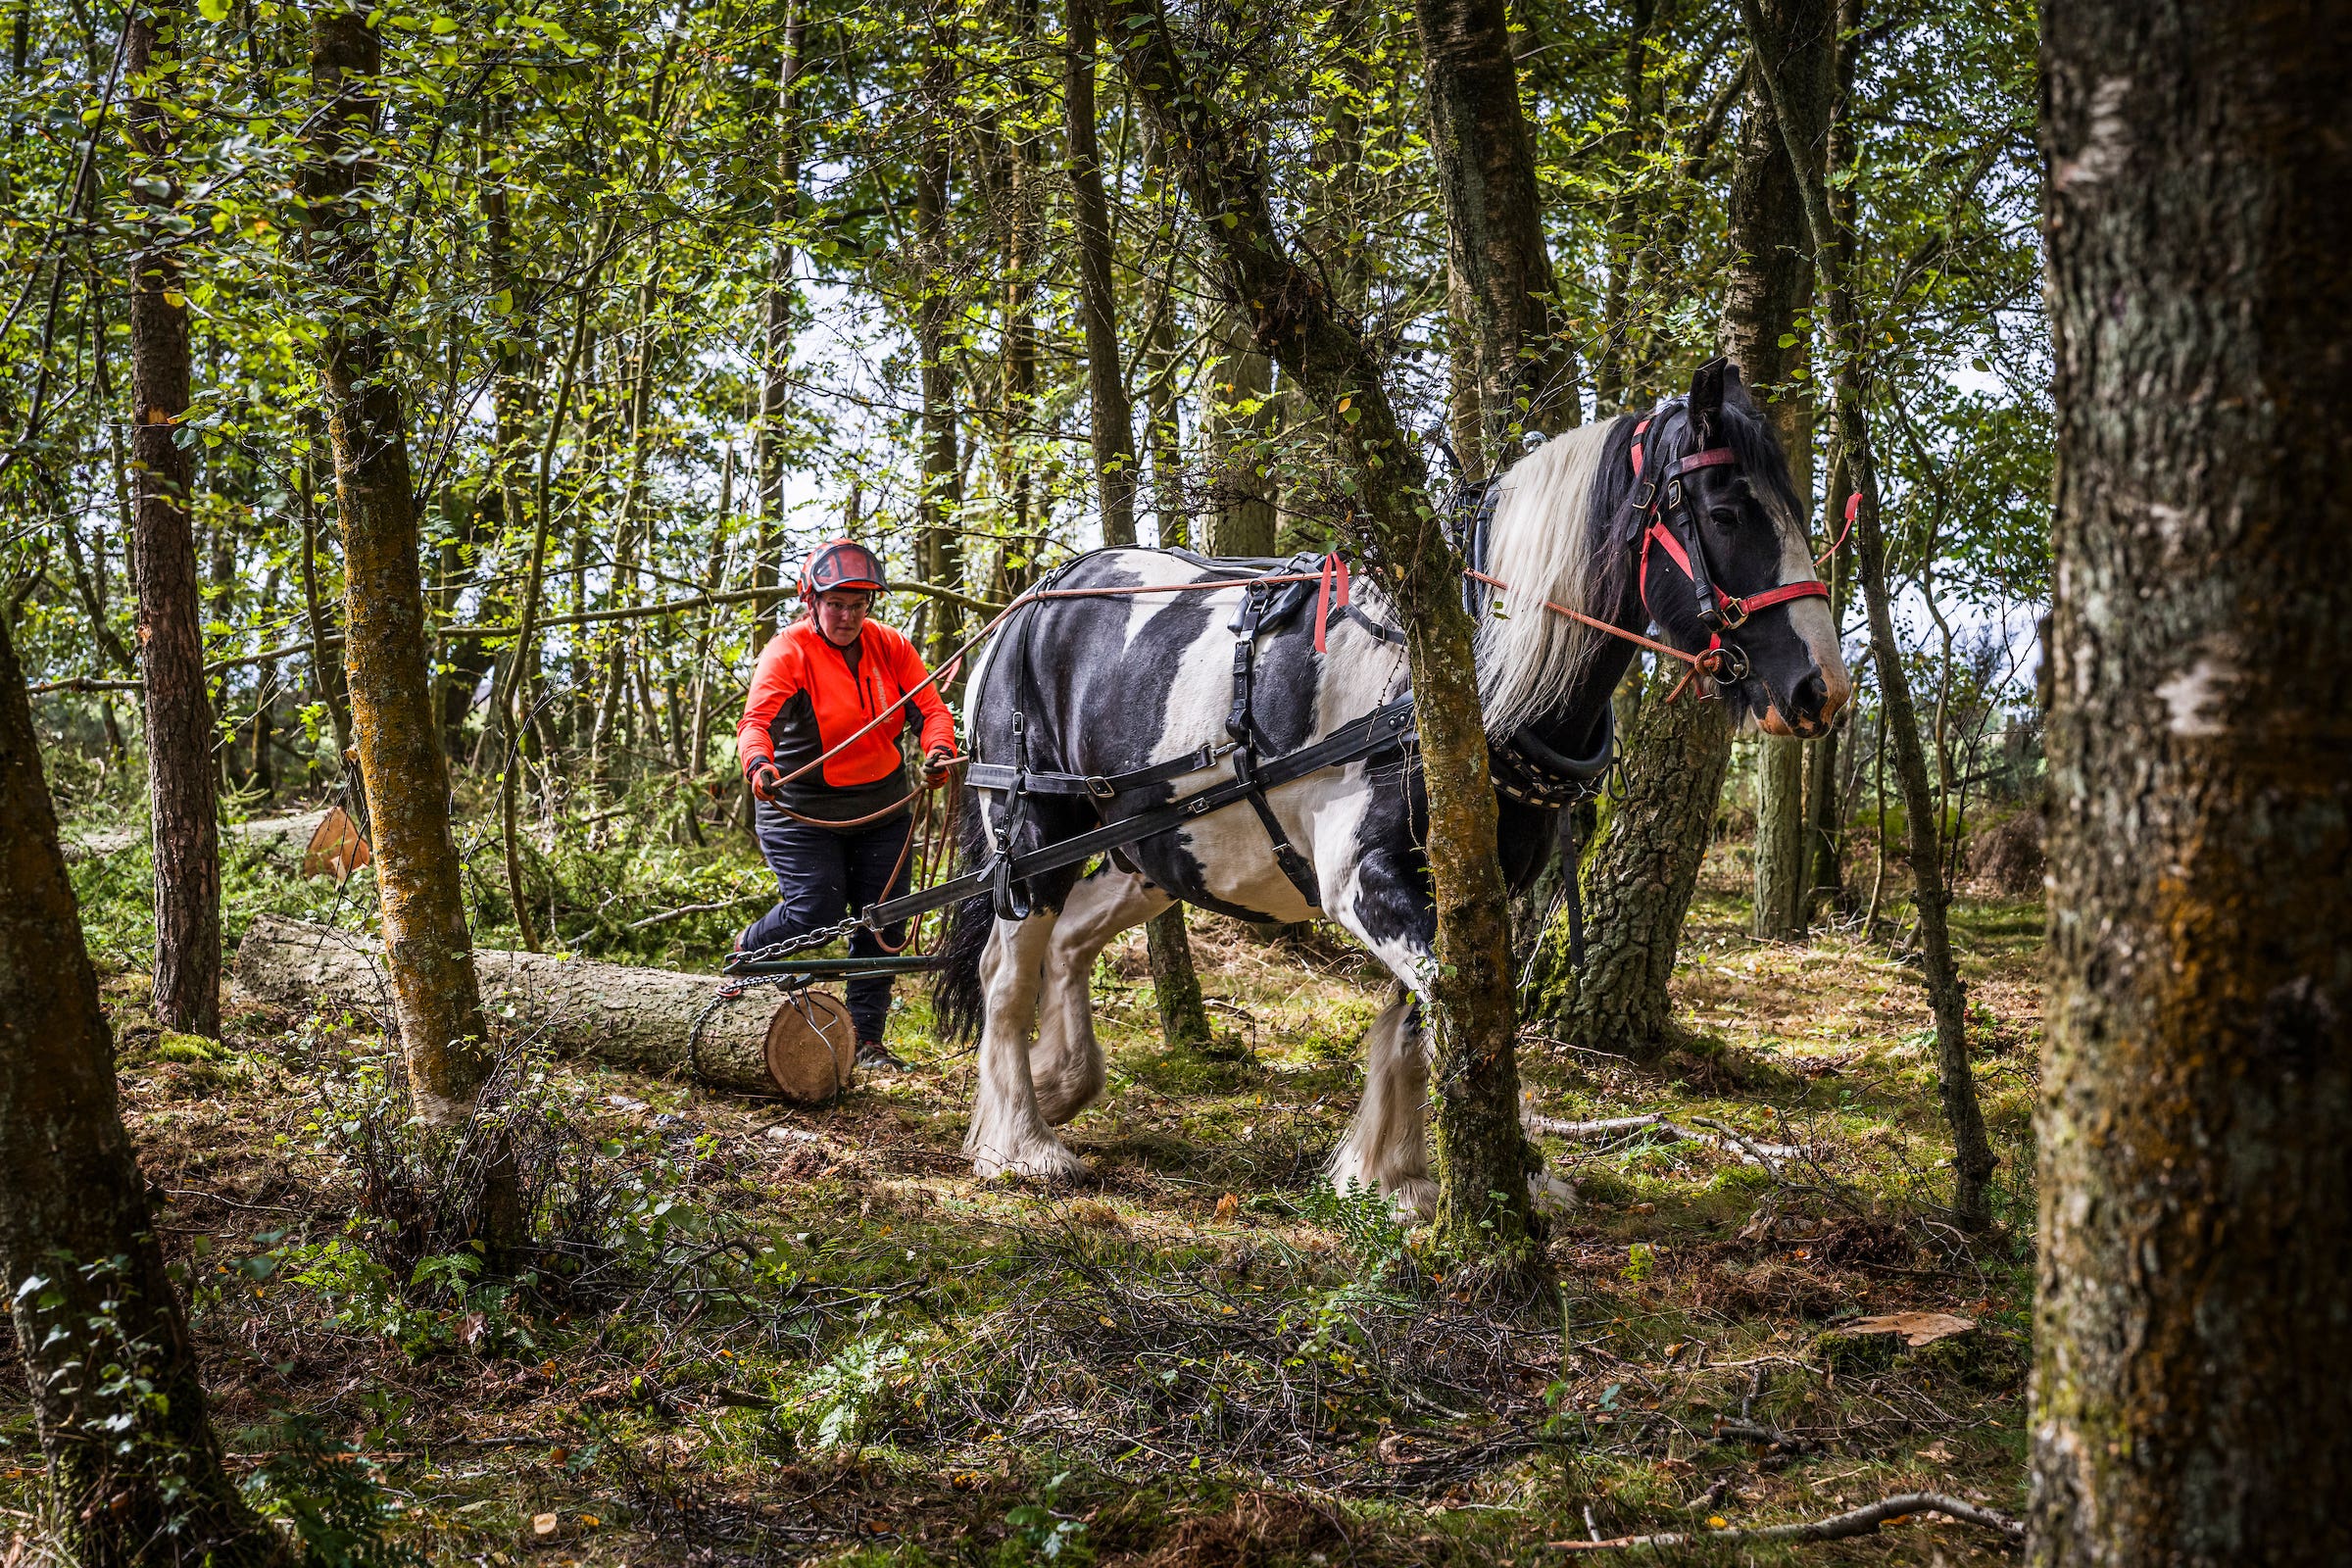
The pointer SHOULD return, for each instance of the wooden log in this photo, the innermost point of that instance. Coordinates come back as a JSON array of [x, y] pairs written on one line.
[[611, 1012]]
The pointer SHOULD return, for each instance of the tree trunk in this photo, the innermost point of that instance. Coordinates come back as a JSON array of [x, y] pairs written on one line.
[[2195, 1129], [132, 1458], [1183, 1017], [1972, 1154], [775, 392], [940, 550], [618, 1013], [1482, 1158], [1486, 168], [1638, 882], [1097, 300], [181, 783], [407, 774], [1768, 288], [1239, 417], [1778, 909]]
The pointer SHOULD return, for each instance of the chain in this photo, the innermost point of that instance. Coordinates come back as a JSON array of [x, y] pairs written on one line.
[[733, 986]]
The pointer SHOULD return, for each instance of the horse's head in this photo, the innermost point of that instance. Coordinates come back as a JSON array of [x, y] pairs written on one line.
[[1724, 531]]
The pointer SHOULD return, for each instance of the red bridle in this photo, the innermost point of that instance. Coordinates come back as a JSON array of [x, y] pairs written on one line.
[[1718, 610]]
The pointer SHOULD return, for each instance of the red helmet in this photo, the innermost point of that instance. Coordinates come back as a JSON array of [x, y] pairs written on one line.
[[840, 564]]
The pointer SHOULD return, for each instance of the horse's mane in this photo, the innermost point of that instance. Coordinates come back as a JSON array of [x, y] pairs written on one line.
[[1545, 543]]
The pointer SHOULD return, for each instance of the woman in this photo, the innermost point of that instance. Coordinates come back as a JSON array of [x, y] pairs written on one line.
[[835, 833]]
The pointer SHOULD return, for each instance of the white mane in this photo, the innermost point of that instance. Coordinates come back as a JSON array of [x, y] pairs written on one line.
[[1541, 543]]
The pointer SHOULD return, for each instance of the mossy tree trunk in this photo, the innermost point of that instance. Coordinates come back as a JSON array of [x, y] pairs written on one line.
[[401, 760], [85, 1281], [1239, 417], [1482, 1158], [1639, 880], [768, 570], [1502, 287], [1183, 1016], [181, 780], [2195, 1127]]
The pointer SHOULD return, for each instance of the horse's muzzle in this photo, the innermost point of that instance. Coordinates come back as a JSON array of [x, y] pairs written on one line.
[[1812, 707]]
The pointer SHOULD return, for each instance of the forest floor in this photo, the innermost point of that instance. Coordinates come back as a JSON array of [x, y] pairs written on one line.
[[757, 1333]]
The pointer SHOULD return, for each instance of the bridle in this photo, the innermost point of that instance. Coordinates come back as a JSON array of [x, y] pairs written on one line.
[[1662, 506]]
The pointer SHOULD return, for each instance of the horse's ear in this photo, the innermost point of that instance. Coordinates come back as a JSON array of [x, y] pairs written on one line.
[[1706, 396]]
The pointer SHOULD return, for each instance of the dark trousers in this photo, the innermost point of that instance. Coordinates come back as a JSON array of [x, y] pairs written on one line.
[[824, 874]]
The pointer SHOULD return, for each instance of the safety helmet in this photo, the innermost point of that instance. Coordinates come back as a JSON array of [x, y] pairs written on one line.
[[840, 564]]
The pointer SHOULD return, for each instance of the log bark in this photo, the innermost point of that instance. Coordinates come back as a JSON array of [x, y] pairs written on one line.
[[401, 760], [182, 781], [616, 1013], [1482, 1160], [2195, 1127], [132, 1465]]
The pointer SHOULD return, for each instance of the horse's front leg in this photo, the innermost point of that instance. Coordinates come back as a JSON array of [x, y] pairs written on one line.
[[1007, 1132], [1380, 899], [1066, 1064]]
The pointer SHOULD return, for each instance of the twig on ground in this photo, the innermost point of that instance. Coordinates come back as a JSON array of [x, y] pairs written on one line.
[[1749, 1150], [1863, 1521]]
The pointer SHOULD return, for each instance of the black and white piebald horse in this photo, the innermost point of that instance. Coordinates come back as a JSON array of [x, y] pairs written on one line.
[[1151, 692]]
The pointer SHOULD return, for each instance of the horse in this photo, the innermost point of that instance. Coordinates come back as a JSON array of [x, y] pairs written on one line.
[[1139, 696]]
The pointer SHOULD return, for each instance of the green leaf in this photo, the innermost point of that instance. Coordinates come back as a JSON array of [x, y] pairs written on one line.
[[213, 10]]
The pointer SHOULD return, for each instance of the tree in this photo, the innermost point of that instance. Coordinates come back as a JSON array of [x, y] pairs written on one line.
[[1183, 1016], [429, 950], [2195, 1133], [1482, 1158], [1486, 162], [1972, 1153], [181, 780], [105, 1346], [1769, 284]]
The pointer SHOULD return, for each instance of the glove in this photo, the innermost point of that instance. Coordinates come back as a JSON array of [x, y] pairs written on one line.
[[936, 766], [766, 780]]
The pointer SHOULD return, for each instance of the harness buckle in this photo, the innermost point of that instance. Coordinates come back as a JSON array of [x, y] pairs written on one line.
[[1099, 787], [1645, 494]]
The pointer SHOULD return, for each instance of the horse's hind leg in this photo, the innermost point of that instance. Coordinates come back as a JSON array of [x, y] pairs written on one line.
[[1008, 1133], [1387, 1146], [1066, 1064]]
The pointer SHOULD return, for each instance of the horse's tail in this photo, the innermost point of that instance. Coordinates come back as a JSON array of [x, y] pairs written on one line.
[[958, 1004]]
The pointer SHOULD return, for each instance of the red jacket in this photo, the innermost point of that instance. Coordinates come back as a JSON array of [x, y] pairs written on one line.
[[809, 696]]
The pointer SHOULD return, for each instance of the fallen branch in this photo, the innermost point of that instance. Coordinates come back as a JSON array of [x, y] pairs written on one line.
[[685, 909], [1749, 1150], [1863, 1521]]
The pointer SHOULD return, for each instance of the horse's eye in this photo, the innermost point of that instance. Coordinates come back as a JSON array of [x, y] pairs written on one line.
[[1725, 516]]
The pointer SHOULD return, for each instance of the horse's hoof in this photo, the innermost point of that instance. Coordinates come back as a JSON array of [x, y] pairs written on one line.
[[1551, 1195], [1049, 1165], [1415, 1198]]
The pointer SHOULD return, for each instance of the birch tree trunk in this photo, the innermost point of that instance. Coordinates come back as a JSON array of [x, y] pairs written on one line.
[[401, 760], [182, 782], [1482, 1160], [85, 1278], [2195, 1127]]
